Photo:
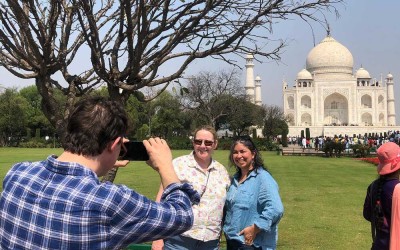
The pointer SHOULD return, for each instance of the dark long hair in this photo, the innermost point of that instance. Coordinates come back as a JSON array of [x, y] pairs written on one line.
[[248, 143], [376, 193], [376, 196]]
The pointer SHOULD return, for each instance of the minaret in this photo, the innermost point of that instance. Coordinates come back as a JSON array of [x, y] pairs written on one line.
[[258, 91], [391, 114], [284, 85], [250, 77]]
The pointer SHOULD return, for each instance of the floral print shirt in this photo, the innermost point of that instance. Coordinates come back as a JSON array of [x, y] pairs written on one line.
[[212, 185]]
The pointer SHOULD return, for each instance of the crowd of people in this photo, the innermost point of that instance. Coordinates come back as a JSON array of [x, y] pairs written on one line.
[[60, 203], [318, 142]]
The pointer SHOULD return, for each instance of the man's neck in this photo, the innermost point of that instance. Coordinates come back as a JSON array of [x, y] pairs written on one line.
[[87, 161], [204, 164]]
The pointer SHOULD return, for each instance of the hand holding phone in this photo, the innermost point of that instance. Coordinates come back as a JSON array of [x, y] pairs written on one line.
[[133, 151], [161, 160]]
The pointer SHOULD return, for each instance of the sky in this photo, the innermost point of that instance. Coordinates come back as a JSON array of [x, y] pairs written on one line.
[[368, 28]]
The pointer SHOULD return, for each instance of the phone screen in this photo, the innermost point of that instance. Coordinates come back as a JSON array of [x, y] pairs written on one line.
[[135, 151]]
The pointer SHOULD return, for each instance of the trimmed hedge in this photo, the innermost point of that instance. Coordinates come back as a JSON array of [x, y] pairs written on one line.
[[262, 144], [360, 150], [38, 143]]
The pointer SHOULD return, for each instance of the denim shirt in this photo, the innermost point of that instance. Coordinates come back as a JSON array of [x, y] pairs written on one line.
[[254, 201]]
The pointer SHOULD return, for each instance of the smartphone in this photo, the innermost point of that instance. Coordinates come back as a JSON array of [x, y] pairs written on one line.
[[135, 151]]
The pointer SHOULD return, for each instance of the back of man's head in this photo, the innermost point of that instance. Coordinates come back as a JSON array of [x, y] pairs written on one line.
[[92, 124]]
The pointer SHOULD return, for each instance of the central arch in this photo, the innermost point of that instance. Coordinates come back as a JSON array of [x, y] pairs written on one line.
[[336, 110]]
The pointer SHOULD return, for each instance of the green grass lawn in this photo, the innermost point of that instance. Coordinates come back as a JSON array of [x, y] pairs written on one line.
[[323, 198]]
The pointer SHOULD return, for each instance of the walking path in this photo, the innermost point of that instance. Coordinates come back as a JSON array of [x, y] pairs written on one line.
[[298, 150]]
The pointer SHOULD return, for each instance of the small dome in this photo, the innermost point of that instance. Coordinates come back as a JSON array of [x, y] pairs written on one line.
[[304, 75], [258, 78], [389, 76], [362, 73], [330, 56]]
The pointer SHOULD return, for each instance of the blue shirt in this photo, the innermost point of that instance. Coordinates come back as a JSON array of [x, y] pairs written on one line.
[[254, 201], [58, 205]]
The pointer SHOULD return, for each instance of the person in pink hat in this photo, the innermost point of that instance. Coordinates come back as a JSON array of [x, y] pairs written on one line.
[[382, 202]]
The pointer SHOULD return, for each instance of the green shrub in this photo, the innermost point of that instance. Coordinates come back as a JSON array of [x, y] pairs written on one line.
[[34, 143], [333, 148], [183, 143], [308, 134], [225, 143], [262, 144], [360, 150], [266, 145]]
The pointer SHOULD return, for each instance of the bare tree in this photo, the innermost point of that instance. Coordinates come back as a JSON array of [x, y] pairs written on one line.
[[210, 94], [132, 42]]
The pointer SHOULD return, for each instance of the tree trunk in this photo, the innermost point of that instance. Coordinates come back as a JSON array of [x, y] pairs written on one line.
[[110, 176]]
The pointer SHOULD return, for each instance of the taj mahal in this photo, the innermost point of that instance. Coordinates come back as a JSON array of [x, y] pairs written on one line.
[[329, 99]]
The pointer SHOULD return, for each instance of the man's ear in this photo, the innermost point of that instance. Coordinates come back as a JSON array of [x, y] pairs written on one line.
[[114, 144]]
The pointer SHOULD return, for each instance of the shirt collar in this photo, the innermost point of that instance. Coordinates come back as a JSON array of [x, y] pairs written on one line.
[[67, 168], [253, 173], [194, 164]]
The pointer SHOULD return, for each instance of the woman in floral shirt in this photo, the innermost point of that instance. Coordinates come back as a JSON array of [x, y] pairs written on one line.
[[211, 180]]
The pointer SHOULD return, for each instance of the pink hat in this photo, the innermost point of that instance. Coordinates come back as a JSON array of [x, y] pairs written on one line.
[[389, 158]]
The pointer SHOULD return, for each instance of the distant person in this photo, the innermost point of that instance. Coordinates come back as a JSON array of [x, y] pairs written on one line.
[[303, 143], [211, 180], [253, 205], [59, 203], [378, 201], [316, 143]]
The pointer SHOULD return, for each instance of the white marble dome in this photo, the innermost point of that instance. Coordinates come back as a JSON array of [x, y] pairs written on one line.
[[304, 75], [362, 73], [389, 76], [329, 56]]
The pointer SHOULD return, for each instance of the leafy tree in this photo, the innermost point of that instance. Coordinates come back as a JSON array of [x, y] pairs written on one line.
[[12, 119], [243, 114], [138, 117], [168, 119], [130, 42], [275, 122], [281, 128], [34, 115]]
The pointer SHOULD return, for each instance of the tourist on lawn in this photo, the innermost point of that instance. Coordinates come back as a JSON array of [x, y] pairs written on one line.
[[211, 180], [378, 205], [253, 206]]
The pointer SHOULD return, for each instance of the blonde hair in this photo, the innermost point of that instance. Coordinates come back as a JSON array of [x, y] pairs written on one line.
[[206, 128]]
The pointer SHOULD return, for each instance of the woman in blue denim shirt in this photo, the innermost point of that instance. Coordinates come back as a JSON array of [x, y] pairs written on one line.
[[253, 206]]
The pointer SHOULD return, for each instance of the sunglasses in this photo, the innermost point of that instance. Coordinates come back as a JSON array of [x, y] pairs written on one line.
[[206, 142]]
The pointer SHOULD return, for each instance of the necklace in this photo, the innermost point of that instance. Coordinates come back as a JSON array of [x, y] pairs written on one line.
[[205, 187]]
